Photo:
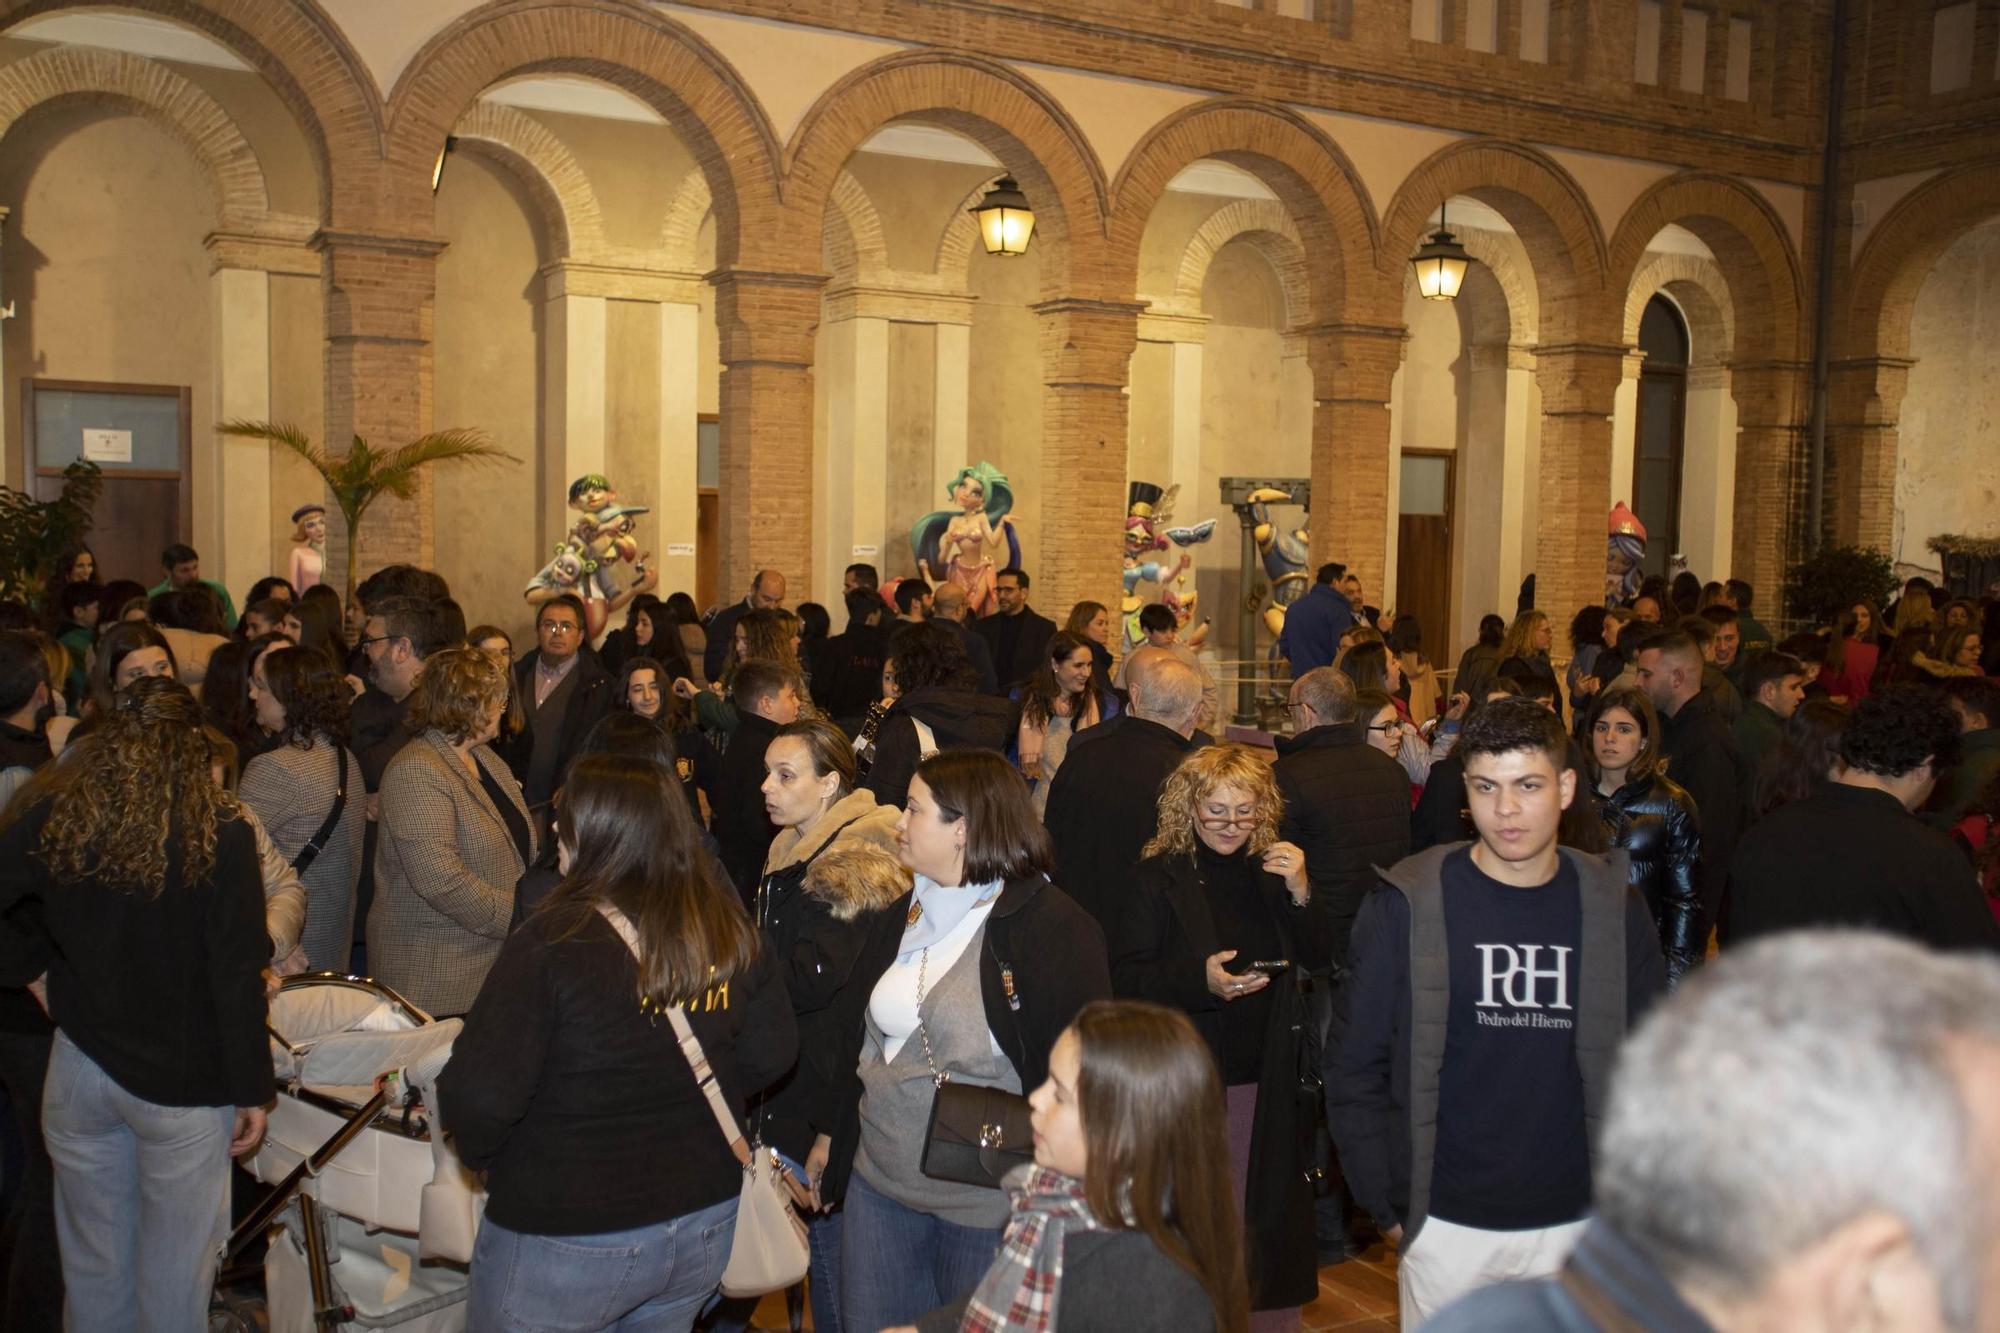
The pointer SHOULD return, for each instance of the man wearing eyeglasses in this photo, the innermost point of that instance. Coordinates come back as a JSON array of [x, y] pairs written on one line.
[[564, 692]]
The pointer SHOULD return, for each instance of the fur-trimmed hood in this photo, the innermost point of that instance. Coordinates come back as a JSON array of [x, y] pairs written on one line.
[[861, 870]]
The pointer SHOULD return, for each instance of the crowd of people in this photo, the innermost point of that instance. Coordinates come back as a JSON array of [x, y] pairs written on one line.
[[1443, 972]]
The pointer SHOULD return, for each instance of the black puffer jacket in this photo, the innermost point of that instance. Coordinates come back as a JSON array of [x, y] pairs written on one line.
[[1654, 821], [958, 719]]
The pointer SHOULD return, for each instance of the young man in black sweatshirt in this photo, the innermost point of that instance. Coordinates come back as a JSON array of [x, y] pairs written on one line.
[[1489, 986]]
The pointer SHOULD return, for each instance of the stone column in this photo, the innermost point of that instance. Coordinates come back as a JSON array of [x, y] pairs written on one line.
[[232, 515], [573, 398], [1086, 358], [764, 325], [951, 405], [1625, 428], [1353, 370], [1579, 384], [853, 466], [675, 509], [1770, 517], [1490, 517], [379, 292], [1708, 473]]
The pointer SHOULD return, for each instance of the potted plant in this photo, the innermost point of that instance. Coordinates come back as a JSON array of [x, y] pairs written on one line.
[[1833, 578], [364, 473], [33, 533]]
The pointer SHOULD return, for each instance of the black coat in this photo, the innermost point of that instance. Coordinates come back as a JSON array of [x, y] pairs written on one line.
[[1654, 820], [589, 701], [721, 631], [979, 654], [1016, 662], [958, 719], [1347, 806], [829, 966], [847, 670], [1103, 807], [1852, 857], [1440, 815], [1161, 942], [1042, 960], [1537, 667], [1701, 757], [742, 827]]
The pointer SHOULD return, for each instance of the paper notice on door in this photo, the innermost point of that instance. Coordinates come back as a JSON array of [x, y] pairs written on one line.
[[107, 446]]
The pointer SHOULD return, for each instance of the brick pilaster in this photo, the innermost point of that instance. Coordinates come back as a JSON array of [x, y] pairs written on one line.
[[1864, 408], [379, 291], [1352, 367], [1578, 382], [1086, 360], [765, 322], [1770, 514]]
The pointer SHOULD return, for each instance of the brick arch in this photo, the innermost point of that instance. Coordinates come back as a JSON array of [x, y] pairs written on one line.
[[954, 252], [1263, 223], [680, 230], [1316, 186], [1698, 287], [308, 63], [149, 89], [1516, 287], [853, 237], [1899, 255], [630, 47], [1541, 202], [1755, 257], [1014, 119], [556, 179]]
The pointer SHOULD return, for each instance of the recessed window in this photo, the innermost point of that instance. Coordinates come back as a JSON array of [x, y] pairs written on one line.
[[1736, 78], [1694, 49], [1646, 43], [1951, 47]]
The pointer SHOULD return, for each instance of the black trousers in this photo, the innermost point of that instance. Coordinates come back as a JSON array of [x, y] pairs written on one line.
[[31, 1300]]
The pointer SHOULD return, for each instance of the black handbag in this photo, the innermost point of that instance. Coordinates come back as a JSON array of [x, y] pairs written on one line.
[[976, 1134]]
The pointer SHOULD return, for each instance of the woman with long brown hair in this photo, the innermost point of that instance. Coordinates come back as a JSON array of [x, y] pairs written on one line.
[[1059, 700], [1127, 1219], [1091, 622], [1650, 817], [612, 1195], [1218, 925], [1852, 653], [1524, 653], [129, 883]]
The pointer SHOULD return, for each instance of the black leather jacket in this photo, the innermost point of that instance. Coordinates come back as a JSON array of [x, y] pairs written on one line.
[[1654, 821]]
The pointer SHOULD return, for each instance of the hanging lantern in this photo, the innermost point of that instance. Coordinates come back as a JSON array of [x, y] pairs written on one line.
[[1005, 221], [1440, 264]]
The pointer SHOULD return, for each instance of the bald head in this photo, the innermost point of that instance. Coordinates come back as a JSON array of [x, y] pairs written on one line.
[[1326, 695], [1165, 689], [948, 602], [767, 590]]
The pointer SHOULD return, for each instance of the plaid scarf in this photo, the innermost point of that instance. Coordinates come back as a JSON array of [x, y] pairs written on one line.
[[1018, 1293]]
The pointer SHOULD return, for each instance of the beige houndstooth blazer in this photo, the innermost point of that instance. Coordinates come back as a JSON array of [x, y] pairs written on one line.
[[445, 870]]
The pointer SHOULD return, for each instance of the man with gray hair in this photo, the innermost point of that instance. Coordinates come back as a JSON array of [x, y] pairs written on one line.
[[1803, 1137], [1347, 805], [948, 608], [1104, 802]]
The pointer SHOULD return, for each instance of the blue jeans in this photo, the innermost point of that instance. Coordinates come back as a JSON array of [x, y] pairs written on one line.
[[897, 1263], [142, 1199], [653, 1279], [733, 1313]]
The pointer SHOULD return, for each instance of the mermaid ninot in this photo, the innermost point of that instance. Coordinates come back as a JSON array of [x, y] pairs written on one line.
[[956, 541]]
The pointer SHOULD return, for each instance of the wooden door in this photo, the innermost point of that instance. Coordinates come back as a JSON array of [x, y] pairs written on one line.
[[707, 545], [146, 504], [1423, 549]]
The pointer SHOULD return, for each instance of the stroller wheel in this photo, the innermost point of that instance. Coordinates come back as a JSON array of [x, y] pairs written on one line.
[[229, 1316]]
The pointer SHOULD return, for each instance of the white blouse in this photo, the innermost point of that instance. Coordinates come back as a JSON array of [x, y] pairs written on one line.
[[893, 1005]]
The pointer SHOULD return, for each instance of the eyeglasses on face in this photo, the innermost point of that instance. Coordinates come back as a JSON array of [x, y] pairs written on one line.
[[557, 627], [367, 639], [1384, 726], [1226, 821]]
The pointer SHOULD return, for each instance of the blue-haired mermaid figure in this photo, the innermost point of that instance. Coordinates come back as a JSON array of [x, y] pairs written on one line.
[[955, 541]]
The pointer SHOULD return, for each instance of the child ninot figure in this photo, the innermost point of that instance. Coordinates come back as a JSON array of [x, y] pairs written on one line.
[[582, 564], [308, 564]]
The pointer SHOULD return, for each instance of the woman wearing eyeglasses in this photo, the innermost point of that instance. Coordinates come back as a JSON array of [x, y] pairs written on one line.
[[1389, 733], [1218, 926]]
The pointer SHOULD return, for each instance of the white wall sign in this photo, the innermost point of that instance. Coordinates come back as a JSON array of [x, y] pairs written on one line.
[[866, 552], [680, 548], [107, 446]]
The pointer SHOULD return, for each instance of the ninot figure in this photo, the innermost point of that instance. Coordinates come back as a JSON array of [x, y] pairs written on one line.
[[1148, 511], [582, 564], [957, 541]]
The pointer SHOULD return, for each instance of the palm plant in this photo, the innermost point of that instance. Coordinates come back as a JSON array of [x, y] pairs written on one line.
[[364, 473]]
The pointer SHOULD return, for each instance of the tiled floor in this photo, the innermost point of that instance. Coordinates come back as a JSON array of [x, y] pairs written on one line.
[[1359, 1294]]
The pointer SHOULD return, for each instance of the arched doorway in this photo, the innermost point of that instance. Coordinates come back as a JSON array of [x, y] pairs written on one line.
[[1662, 431]]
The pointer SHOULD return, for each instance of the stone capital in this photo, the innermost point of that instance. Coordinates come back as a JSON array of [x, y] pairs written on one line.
[[1353, 363], [279, 244], [1579, 379], [1088, 344], [766, 317], [1158, 325], [573, 277], [906, 304]]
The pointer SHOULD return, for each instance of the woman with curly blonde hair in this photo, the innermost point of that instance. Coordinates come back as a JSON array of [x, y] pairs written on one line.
[[131, 901], [1218, 926]]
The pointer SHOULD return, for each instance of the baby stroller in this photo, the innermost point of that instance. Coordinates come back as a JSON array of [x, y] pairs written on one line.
[[371, 1217]]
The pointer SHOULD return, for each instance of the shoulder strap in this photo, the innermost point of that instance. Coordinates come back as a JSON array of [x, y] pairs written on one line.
[[704, 1077], [310, 852]]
